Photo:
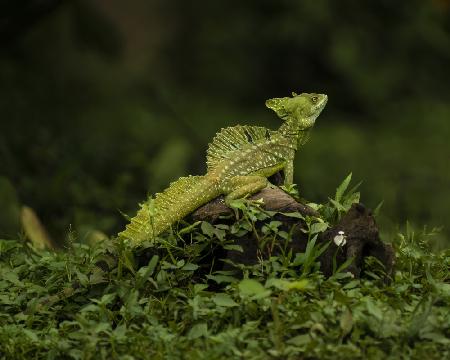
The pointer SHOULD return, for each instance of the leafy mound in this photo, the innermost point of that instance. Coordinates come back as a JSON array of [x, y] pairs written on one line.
[[109, 301]]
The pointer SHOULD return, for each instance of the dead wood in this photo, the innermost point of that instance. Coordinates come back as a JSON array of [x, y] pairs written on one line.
[[358, 225]]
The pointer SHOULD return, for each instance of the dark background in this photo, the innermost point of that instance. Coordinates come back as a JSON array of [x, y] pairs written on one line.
[[102, 102]]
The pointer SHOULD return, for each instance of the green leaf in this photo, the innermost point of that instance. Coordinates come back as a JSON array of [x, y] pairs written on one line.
[[90, 308], [354, 188], [295, 215], [436, 337], [443, 289], [373, 309], [7, 245], [252, 288], [376, 211], [286, 285], [299, 340], [275, 224], [84, 280], [234, 247], [189, 267], [97, 276], [344, 265], [145, 272], [12, 277], [342, 187], [346, 322], [207, 229], [351, 199], [127, 259], [299, 259], [189, 229], [31, 335], [222, 278], [239, 204], [198, 330], [338, 205], [198, 288], [107, 299], [225, 300], [318, 227]]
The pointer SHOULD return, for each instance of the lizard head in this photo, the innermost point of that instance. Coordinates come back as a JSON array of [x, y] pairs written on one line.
[[303, 108]]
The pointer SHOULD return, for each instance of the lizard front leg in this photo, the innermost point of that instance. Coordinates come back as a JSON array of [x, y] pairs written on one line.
[[240, 186], [289, 172]]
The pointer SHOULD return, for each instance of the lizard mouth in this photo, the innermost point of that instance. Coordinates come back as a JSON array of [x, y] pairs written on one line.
[[310, 120], [321, 104]]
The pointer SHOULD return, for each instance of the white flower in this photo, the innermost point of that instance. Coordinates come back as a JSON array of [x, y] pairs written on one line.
[[340, 239]]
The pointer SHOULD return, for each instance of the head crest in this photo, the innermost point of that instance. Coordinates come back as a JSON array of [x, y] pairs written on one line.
[[278, 105]]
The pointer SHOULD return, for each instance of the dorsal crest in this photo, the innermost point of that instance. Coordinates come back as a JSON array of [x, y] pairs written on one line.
[[231, 139]]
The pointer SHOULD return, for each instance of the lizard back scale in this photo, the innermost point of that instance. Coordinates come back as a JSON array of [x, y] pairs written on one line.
[[239, 161]]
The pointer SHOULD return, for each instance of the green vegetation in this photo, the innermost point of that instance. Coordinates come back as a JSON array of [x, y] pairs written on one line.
[[162, 301]]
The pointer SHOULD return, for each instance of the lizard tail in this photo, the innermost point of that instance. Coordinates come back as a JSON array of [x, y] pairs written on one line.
[[173, 204]]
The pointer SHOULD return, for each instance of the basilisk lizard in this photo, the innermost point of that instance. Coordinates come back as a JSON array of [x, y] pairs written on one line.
[[239, 161]]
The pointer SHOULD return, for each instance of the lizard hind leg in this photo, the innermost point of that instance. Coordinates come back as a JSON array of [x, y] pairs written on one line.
[[240, 186]]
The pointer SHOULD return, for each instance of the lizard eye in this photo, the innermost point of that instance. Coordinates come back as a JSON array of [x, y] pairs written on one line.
[[314, 99]]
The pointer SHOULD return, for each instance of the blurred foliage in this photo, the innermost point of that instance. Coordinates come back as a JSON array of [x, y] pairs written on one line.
[[102, 102]]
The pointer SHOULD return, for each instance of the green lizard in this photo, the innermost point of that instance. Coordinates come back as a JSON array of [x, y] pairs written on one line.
[[239, 161]]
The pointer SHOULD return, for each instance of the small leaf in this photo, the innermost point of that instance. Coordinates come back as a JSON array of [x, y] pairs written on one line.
[[345, 265], [198, 288], [351, 199], [222, 278], [377, 209], [189, 267], [12, 277], [198, 330], [314, 206], [295, 215], [7, 245], [286, 285], [84, 280], [225, 300], [107, 298], [189, 229], [146, 271], [299, 340], [338, 205], [443, 288], [275, 224], [234, 247], [97, 276], [239, 204], [373, 309], [152, 265], [299, 259], [346, 322], [252, 288], [31, 335], [318, 227], [90, 308], [341, 188], [207, 229]]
